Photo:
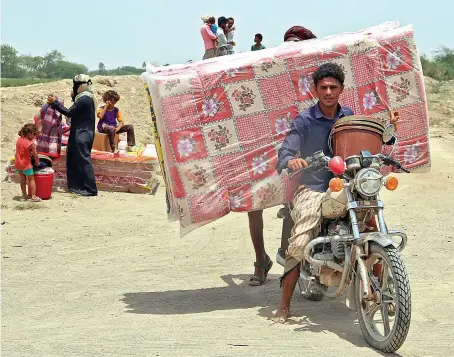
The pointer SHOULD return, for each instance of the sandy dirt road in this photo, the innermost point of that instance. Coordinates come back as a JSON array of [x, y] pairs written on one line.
[[75, 283]]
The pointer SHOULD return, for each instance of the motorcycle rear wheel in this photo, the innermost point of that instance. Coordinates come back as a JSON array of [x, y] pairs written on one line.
[[394, 304]]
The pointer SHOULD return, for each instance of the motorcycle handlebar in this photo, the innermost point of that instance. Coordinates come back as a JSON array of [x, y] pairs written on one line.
[[317, 163]]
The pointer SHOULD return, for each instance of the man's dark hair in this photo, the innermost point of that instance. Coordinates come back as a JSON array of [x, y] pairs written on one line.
[[221, 21], [231, 18], [329, 70], [259, 36]]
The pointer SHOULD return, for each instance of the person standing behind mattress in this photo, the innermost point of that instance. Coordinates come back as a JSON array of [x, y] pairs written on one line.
[[263, 262], [230, 34], [209, 38], [222, 37]]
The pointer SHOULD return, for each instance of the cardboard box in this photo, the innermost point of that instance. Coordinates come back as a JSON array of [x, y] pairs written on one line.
[[101, 142]]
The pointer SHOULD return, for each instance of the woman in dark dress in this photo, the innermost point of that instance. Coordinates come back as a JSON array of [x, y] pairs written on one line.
[[79, 169]]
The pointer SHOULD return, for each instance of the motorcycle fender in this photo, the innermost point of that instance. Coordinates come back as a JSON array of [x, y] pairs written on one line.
[[383, 239], [350, 300]]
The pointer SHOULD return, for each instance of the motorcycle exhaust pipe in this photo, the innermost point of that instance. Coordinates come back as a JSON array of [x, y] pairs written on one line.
[[310, 259]]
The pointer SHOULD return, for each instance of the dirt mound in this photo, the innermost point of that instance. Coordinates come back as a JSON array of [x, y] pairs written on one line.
[[20, 104]]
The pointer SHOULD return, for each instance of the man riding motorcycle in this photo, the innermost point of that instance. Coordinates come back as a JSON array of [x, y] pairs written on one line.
[[309, 133]]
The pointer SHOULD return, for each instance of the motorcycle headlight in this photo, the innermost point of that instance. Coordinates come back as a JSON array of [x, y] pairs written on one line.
[[368, 182]]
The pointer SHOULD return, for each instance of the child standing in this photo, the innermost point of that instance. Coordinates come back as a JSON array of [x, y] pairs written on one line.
[[24, 150]]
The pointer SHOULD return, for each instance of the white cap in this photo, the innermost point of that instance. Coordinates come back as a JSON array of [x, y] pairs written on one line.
[[205, 18]]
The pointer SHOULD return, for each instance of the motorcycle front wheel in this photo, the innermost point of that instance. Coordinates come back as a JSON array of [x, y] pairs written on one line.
[[385, 320]]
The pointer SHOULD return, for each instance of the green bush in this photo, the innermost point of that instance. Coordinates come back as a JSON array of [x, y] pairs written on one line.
[[440, 67], [19, 82]]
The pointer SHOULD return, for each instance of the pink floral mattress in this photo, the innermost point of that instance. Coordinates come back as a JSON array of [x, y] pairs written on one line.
[[120, 174], [221, 121]]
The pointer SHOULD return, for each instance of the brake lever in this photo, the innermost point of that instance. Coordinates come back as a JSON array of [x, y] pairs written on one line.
[[387, 160], [315, 165]]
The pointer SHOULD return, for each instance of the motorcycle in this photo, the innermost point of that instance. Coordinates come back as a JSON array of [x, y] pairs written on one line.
[[352, 256]]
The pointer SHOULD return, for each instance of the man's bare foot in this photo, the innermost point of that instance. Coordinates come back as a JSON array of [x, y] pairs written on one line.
[[281, 315]]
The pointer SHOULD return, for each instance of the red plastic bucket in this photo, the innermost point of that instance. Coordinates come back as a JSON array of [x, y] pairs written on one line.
[[44, 182]]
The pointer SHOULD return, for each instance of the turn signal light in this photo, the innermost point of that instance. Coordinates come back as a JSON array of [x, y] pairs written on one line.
[[391, 183], [336, 184]]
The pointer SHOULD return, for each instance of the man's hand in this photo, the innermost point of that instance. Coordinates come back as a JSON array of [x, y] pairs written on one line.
[[296, 164], [394, 117]]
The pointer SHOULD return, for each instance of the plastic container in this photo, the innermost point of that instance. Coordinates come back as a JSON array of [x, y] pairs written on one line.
[[352, 134], [150, 150], [122, 145], [44, 180]]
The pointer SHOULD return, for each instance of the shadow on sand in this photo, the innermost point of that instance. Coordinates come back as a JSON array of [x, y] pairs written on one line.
[[325, 316]]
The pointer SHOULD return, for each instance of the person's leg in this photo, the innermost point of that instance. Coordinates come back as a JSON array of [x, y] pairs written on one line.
[[211, 53], [221, 52], [86, 179], [306, 215], [129, 130], [262, 261], [32, 185], [288, 287], [23, 185], [110, 132]]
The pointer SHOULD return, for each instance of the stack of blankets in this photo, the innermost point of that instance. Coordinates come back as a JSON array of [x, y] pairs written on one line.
[[219, 123], [116, 173]]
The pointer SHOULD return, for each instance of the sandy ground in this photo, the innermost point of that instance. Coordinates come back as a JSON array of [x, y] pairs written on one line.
[[75, 283]]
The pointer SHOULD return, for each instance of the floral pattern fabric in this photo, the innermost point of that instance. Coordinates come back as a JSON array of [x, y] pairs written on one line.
[[220, 123]]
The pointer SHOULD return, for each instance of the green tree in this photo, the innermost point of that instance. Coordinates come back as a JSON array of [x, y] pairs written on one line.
[[32, 64], [101, 69], [10, 63]]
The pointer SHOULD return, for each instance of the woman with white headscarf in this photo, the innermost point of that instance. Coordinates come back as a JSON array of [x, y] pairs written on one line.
[[79, 169]]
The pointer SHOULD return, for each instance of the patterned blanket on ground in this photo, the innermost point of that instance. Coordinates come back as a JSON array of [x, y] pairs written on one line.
[[220, 122]]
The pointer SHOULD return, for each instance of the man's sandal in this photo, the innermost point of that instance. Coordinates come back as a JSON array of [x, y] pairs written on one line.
[[255, 280]]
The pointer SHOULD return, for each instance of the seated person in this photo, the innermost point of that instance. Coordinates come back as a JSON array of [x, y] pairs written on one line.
[[309, 133], [111, 121]]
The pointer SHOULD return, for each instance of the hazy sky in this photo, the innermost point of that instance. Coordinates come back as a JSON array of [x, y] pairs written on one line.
[[128, 32]]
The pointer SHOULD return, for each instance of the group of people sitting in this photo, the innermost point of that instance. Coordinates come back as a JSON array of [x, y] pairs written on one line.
[[47, 135]]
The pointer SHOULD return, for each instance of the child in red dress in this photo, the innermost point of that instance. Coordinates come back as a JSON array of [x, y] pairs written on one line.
[[25, 147]]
